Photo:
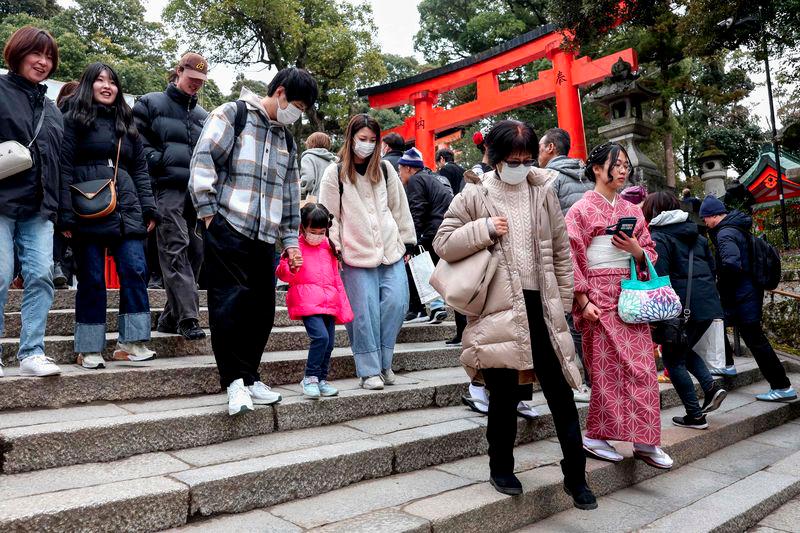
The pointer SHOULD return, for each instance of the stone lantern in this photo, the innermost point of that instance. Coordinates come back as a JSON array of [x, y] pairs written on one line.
[[623, 95], [713, 170]]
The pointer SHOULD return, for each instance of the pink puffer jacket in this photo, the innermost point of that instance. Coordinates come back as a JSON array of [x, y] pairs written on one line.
[[315, 289]]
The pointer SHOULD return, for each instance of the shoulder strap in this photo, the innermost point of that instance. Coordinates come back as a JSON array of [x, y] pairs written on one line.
[[241, 119], [39, 124], [116, 163], [687, 311], [385, 172], [289, 140]]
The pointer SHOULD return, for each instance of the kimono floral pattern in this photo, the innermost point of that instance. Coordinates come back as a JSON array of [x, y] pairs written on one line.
[[625, 402]]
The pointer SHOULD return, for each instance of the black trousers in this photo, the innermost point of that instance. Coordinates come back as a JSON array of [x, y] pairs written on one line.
[[767, 360], [241, 300], [505, 393]]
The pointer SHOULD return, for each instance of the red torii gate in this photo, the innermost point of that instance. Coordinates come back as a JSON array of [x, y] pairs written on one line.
[[562, 81]]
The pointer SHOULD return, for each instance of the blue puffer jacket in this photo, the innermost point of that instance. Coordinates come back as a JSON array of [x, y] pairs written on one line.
[[571, 183], [741, 299]]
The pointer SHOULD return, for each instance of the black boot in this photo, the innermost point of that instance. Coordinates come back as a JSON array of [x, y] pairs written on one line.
[[575, 485], [506, 484]]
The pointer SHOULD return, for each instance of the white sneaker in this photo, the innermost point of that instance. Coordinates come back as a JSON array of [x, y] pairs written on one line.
[[38, 366], [388, 376], [133, 351], [372, 383], [263, 395], [582, 395], [1, 369], [239, 400], [652, 455], [91, 360]]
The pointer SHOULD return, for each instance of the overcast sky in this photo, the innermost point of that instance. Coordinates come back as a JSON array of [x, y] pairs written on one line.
[[397, 22]]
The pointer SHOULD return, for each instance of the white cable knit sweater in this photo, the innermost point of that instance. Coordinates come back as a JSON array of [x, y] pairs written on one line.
[[514, 201], [375, 222]]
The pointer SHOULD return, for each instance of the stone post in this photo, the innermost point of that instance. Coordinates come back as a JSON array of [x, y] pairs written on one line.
[[713, 170]]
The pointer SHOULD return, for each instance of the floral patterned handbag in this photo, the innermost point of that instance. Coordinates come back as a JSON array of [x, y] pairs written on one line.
[[642, 302]]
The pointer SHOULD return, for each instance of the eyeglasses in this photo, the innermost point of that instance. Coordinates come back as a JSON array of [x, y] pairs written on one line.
[[625, 167], [516, 163]]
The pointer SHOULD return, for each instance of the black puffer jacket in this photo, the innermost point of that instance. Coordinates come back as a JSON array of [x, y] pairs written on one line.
[[674, 237], [36, 189], [170, 123], [85, 156], [741, 299], [429, 197]]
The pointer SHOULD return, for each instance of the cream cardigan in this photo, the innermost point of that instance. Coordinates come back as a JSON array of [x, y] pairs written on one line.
[[374, 224]]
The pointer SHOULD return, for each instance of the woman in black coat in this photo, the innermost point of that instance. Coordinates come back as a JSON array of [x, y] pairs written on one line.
[[674, 237], [99, 137]]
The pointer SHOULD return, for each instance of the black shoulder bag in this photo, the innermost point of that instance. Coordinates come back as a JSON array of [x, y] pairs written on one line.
[[672, 332], [96, 198]]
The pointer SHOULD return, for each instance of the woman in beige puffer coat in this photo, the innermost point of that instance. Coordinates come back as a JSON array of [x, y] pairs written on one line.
[[515, 212]]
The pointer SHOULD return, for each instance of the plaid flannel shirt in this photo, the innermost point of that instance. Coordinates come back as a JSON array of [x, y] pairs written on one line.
[[259, 192]]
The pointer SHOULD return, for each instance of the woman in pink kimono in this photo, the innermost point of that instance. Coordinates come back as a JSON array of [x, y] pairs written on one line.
[[625, 400]]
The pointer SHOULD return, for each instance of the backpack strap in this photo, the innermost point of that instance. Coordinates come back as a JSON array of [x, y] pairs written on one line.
[[241, 119]]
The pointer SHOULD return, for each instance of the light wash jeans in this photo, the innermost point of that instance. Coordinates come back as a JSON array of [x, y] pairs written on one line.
[[33, 239], [379, 298]]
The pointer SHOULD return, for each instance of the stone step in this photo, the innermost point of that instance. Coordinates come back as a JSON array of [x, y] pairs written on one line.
[[456, 497], [39, 439], [729, 490], [260, 471], [784, 519], [61, 322], [61, 348], [185, 376], [65, 299]]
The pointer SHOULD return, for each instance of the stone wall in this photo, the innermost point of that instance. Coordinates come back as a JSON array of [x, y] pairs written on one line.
[[782, 314]]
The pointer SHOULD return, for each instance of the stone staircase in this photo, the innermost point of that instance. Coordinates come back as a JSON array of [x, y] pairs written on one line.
[[149, 446]]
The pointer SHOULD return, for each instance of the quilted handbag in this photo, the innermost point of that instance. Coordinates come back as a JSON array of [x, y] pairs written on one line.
[[96, 198], [643, 302]]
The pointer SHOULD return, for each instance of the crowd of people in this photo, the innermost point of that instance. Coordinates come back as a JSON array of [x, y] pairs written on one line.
[[226, 195]]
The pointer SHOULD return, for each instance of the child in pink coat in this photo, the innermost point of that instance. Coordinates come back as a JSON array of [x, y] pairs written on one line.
[[316, 296]]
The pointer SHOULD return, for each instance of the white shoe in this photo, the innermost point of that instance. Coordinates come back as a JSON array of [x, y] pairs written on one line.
[[91, 360], [602, 450], [1, 369], [263, 395], [581, 395], [388, 376], [372, 383], [652, 455], [239, 400], [38, 366], [527, 411], [133, 351]]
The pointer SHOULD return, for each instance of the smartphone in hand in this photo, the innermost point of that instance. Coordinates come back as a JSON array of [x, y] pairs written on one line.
[[624, 225]]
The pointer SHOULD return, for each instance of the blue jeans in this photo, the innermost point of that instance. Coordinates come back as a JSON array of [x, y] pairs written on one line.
[[681, 363], [322, 333], [379, 298], [90, 301], [33, 239]]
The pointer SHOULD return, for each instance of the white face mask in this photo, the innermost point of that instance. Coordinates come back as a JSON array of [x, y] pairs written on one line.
[[362, 148], [289, 115], [514, 176], [314, 239]]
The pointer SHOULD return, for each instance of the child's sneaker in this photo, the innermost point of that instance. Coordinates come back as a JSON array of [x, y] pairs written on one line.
[[311, 387], [326, 389]]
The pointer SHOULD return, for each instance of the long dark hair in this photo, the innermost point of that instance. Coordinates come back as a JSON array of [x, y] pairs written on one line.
[[604, 155], [317, 216], [83, 109], [347, 156]]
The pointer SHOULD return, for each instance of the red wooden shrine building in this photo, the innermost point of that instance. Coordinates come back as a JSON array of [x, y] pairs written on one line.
[[563, 81]]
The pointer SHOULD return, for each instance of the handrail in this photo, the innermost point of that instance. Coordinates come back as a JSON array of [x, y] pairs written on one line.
[[793, 295]]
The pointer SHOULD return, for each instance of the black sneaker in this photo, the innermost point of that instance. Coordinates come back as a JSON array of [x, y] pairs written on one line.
[[582, 497], [438, 316], [714, 399], [455, 341], [59, 279], [414, 317], [156, 284], [508, 484], [191, 330], [689, 422]]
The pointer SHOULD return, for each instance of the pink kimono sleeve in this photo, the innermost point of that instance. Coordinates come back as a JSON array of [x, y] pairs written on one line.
[[579, 239]]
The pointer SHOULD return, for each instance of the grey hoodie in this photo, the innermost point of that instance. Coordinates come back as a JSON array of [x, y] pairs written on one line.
[[571, 183], [313, 163]]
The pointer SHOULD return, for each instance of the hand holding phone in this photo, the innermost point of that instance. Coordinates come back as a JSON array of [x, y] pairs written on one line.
[[624, 225]]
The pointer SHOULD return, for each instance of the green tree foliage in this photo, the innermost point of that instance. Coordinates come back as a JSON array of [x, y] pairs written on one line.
[[35, 8], [332, 40], [113, 32]]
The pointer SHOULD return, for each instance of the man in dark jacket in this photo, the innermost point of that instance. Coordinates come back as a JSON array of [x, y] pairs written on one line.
[[170, 123], [393, 146], [446, 166], [570, 186], [742, 299], [429, 196]]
